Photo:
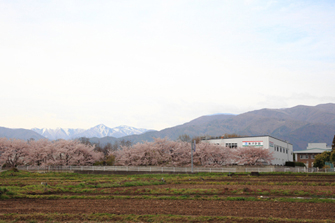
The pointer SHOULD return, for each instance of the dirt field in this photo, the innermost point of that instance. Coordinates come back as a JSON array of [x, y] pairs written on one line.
[[185, 207], [179, 199]]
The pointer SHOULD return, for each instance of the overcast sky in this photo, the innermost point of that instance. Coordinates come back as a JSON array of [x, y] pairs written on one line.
[[156, 64]]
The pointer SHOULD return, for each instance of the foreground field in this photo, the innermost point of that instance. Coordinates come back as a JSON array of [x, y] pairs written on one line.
[[166, 198]]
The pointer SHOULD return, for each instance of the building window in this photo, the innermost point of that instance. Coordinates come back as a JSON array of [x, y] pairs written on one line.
[[304, 156], [280, 149], [286, 151], [231, 145]]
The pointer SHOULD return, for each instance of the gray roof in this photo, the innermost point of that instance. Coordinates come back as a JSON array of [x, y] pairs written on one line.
[[219, 137], [313, 150]]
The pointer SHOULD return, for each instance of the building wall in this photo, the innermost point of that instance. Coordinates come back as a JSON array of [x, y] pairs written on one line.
[[282, 151], [307, 158]]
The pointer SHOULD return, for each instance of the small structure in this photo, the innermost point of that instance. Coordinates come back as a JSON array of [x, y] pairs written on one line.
[[307, 156]]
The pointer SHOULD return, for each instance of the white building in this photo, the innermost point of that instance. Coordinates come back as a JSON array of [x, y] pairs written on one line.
[[282, 150]]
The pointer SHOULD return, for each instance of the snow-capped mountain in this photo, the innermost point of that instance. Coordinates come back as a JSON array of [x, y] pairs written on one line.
[[58, 133], [101, 130], [98, 131]]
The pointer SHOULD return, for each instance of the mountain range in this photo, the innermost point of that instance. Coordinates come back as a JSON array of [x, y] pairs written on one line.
[[298, 125], [98, 131], [24, 134]]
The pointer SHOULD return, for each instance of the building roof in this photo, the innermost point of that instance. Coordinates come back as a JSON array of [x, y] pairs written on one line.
[[219, 137], [313, 150]]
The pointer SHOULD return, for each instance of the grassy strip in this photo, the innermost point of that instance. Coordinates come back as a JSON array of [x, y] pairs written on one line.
[[114, 180], [184, 197], [99, 217], [41, 190]]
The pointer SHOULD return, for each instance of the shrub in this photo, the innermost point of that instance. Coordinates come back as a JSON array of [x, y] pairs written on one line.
[[289, 163], [108, 161], [294, 164], [299, 164], [320, 159]]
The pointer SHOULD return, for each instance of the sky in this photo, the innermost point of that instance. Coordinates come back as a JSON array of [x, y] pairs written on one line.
[[157, 64]]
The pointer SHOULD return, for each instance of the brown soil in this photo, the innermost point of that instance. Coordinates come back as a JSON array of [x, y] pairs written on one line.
[[244, 209], [311, 189], [255, 187], [276, 178], [176, 207]]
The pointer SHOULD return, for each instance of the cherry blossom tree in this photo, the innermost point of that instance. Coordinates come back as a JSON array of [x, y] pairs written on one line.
[[13, 152], [85, 155], [145, 154], [212, 155], [252, 156], [68, 152], [38, 152]]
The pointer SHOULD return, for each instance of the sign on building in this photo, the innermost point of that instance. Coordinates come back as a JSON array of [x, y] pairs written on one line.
[[252, 143]]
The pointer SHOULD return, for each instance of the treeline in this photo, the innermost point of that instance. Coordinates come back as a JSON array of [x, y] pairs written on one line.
[[160, 152], [14, 152], [164, 152]]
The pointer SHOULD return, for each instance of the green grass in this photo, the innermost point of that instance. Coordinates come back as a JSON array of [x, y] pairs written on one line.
[[179, 197]]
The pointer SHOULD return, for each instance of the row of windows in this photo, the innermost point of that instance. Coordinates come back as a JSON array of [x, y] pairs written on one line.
[[307, 156], [281, 149], [231, 145], [276, 148]]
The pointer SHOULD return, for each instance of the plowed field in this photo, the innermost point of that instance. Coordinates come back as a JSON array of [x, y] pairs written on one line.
[[179, 198]]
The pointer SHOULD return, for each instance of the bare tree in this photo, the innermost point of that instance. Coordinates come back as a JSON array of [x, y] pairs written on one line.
[[125, 143], [184, 138]]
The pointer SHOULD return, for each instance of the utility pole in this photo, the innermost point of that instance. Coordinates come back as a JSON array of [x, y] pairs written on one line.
[[192, 148]]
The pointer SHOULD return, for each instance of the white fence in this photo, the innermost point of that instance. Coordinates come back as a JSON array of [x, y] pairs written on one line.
[[304, 170], [255, 169], [127, 169], [156, 169]]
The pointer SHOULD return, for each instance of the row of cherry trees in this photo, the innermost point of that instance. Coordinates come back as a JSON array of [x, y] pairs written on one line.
[[14, 152], [163, 152]]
